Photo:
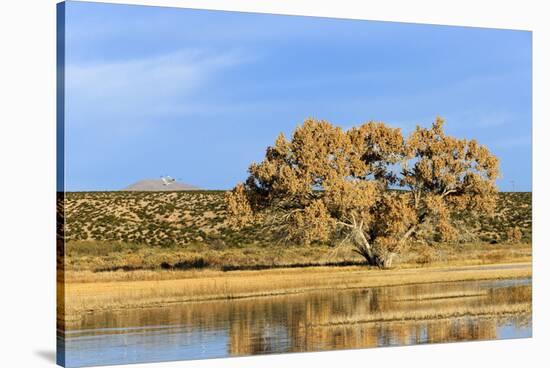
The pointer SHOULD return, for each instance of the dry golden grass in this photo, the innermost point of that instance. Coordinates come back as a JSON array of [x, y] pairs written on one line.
[[83, 260], [81, 268], [210, 285]]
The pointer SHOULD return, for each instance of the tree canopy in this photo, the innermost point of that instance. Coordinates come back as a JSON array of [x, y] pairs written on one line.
[[369, 185]]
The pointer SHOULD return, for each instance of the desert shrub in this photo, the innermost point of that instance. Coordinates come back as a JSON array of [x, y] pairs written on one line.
[[187, 264], [217, 244], [514, 235], [134, 261], [425, 254], [97, 248]]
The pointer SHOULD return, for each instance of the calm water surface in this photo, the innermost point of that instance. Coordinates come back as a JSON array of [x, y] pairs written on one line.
[[358, 318]]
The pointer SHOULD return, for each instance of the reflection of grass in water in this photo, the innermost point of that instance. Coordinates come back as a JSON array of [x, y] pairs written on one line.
[[212, 285], [340, 319], [447, 295], [436, 313], [398, 332], [493, 302]]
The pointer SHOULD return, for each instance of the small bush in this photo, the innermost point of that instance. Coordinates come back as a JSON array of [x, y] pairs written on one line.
[[426, 255], [217, 244], [514, 235], [98, 248], [187, 264]]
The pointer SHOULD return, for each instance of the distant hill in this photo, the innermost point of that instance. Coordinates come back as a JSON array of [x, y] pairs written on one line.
[[200, 216], [157, 185]]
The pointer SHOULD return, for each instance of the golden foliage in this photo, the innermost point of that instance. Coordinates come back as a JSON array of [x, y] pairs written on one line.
[[448, 174], [325, 179], [395, 214], [313, 223], [238, 206]]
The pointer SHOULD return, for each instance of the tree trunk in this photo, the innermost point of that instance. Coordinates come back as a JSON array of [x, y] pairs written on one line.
[[386, 260], [363, 248]]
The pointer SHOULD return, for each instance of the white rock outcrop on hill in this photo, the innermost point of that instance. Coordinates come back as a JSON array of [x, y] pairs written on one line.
[[157, 185]]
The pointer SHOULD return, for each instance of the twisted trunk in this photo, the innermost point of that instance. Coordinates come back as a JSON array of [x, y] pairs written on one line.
[[365, 249]]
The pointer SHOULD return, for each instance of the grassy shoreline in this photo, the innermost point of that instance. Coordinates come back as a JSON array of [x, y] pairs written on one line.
[[205, 285], [98, 260]]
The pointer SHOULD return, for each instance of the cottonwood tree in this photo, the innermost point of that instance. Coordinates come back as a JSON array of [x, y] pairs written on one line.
[[368, 185]]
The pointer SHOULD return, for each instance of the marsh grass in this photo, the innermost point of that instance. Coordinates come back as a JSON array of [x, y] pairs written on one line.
[[102, 257], [213, 285]]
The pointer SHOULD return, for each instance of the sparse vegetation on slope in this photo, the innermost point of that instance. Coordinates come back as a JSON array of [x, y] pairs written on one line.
[[168, 219]]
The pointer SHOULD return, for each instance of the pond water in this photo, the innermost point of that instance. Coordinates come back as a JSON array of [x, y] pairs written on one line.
[[359, 318]]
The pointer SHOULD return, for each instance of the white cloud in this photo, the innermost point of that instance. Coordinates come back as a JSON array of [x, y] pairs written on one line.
[[496, 119], [511, 143], [140, 88]]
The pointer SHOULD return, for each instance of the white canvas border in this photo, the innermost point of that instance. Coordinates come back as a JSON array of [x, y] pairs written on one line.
[[27, 148]]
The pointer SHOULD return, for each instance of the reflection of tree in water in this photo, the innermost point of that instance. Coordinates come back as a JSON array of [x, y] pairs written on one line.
[[463, 329], [308, 320], [262, 338], [337, 319]]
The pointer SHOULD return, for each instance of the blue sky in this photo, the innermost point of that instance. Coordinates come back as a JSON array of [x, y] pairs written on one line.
[[199, 95]]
